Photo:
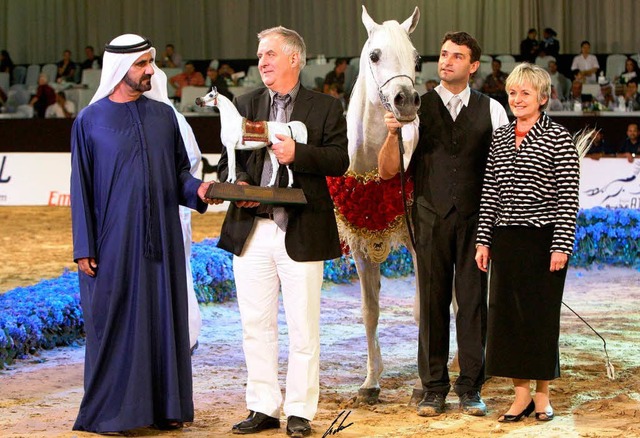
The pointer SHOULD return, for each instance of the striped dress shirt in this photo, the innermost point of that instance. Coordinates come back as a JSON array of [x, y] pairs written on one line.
[[534, 186]]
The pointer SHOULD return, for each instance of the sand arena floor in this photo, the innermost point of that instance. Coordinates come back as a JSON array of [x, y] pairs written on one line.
[[39, 396]]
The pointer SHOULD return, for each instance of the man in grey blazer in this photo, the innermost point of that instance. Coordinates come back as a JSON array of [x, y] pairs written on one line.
[[283, 247]]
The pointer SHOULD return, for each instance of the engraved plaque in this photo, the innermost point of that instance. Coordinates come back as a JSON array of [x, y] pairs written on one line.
[[265, 195]]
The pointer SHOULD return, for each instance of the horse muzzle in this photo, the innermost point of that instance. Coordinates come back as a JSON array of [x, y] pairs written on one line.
[[406, 104]]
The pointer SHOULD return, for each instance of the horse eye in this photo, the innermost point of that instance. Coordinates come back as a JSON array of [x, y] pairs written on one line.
[[374, 56]]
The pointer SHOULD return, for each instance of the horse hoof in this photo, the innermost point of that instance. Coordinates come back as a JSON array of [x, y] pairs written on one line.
[[416, 397], [367, 396]]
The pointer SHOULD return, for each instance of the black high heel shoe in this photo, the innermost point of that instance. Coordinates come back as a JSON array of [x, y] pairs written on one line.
[[506, 418], [547, 415]]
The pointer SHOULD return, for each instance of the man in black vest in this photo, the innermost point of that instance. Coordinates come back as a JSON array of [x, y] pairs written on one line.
[[456, 124]]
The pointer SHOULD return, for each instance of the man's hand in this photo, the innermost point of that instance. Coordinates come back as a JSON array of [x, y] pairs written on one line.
[[388, 159], [285, 150], [246, 204], [392, 123], [88, 265], [202, 191], [483, 255]]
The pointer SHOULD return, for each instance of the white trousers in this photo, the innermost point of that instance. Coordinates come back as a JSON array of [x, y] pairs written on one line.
[[263, 268], [195, 319]]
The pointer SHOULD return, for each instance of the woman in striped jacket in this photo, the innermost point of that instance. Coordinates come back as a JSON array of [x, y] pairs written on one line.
[[526, 228]]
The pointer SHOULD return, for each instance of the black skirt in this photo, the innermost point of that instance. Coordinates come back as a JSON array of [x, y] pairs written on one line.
[[524, 305]]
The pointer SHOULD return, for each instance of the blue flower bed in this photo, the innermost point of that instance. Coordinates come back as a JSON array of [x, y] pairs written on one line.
[[48, 314]]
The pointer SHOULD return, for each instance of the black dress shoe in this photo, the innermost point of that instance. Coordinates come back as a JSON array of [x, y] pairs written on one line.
[[298, 426], [505, 418], [432, 404], [255, 422], [472, 404]]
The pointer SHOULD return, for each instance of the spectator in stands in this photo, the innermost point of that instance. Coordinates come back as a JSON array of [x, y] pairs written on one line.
[[3, 100], [336, 76], [188, 77], [585, 65], [600, 147], [606, 96], [66, 68], [543, 59], [215, 80], [631, 71], [558, 80], [430, 84], [62, 109], [494, 83], [170, 58], [576, 96], [529, 46], [630, 147], [554, 101], [92, 61], [631, 97], [44, 96], [6, 64], [227, 72], [550, 43]]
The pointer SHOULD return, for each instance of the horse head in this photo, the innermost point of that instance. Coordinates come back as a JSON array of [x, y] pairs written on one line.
[[388, 60], [209, 99]]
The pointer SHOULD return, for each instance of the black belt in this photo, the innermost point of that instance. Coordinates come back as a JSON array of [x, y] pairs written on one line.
[[265, 215]]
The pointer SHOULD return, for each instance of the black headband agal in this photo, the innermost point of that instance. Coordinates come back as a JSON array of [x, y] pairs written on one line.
[[137, 47]]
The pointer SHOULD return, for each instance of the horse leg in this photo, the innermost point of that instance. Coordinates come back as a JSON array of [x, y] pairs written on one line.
[[369, 273], [231, 163]]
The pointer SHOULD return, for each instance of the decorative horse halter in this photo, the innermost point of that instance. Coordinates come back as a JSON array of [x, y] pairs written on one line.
[[383, 98]]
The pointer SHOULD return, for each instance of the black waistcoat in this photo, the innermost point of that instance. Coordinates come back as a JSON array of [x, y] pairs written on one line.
[[450, 159]]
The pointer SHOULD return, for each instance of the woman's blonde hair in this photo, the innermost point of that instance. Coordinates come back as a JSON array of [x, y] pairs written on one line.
[[534, 75]]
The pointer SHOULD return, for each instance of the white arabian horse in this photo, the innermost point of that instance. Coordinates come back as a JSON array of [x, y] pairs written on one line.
[[387, 74], [238, 133]]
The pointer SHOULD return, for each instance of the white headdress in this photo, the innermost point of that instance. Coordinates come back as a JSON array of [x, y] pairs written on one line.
[[119, 56]]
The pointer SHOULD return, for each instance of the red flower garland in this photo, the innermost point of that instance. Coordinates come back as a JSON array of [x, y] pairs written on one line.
[[367, 201]]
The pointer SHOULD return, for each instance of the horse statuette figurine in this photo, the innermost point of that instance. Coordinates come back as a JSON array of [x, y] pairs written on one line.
[[238, 133], [385, 82]]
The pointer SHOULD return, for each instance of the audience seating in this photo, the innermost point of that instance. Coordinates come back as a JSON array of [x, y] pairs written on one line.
[[31, 81], [312, 71], [429, 70], [4, 81], [51, 70], [615, 65], [508, 66], [171, 72], [91, 78], [189, 95], [505, 59], [19, 74]]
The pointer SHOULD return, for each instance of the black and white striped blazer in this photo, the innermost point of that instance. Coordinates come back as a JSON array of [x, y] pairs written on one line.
[[534, 186]]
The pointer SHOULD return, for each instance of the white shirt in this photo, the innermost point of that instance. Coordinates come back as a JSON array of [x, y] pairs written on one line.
[[498, 114], [581, 63], [55, 111]]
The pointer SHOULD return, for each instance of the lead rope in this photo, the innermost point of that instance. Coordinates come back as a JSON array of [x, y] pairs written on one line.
[[611, 373]]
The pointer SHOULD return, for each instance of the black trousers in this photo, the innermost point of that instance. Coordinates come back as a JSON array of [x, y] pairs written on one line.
[[445, 254]]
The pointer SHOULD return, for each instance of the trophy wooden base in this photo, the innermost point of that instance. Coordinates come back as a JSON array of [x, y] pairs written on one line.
[[265, 195]]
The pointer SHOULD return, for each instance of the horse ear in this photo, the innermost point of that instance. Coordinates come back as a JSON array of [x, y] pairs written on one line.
[[367, 20], [410, 23]]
